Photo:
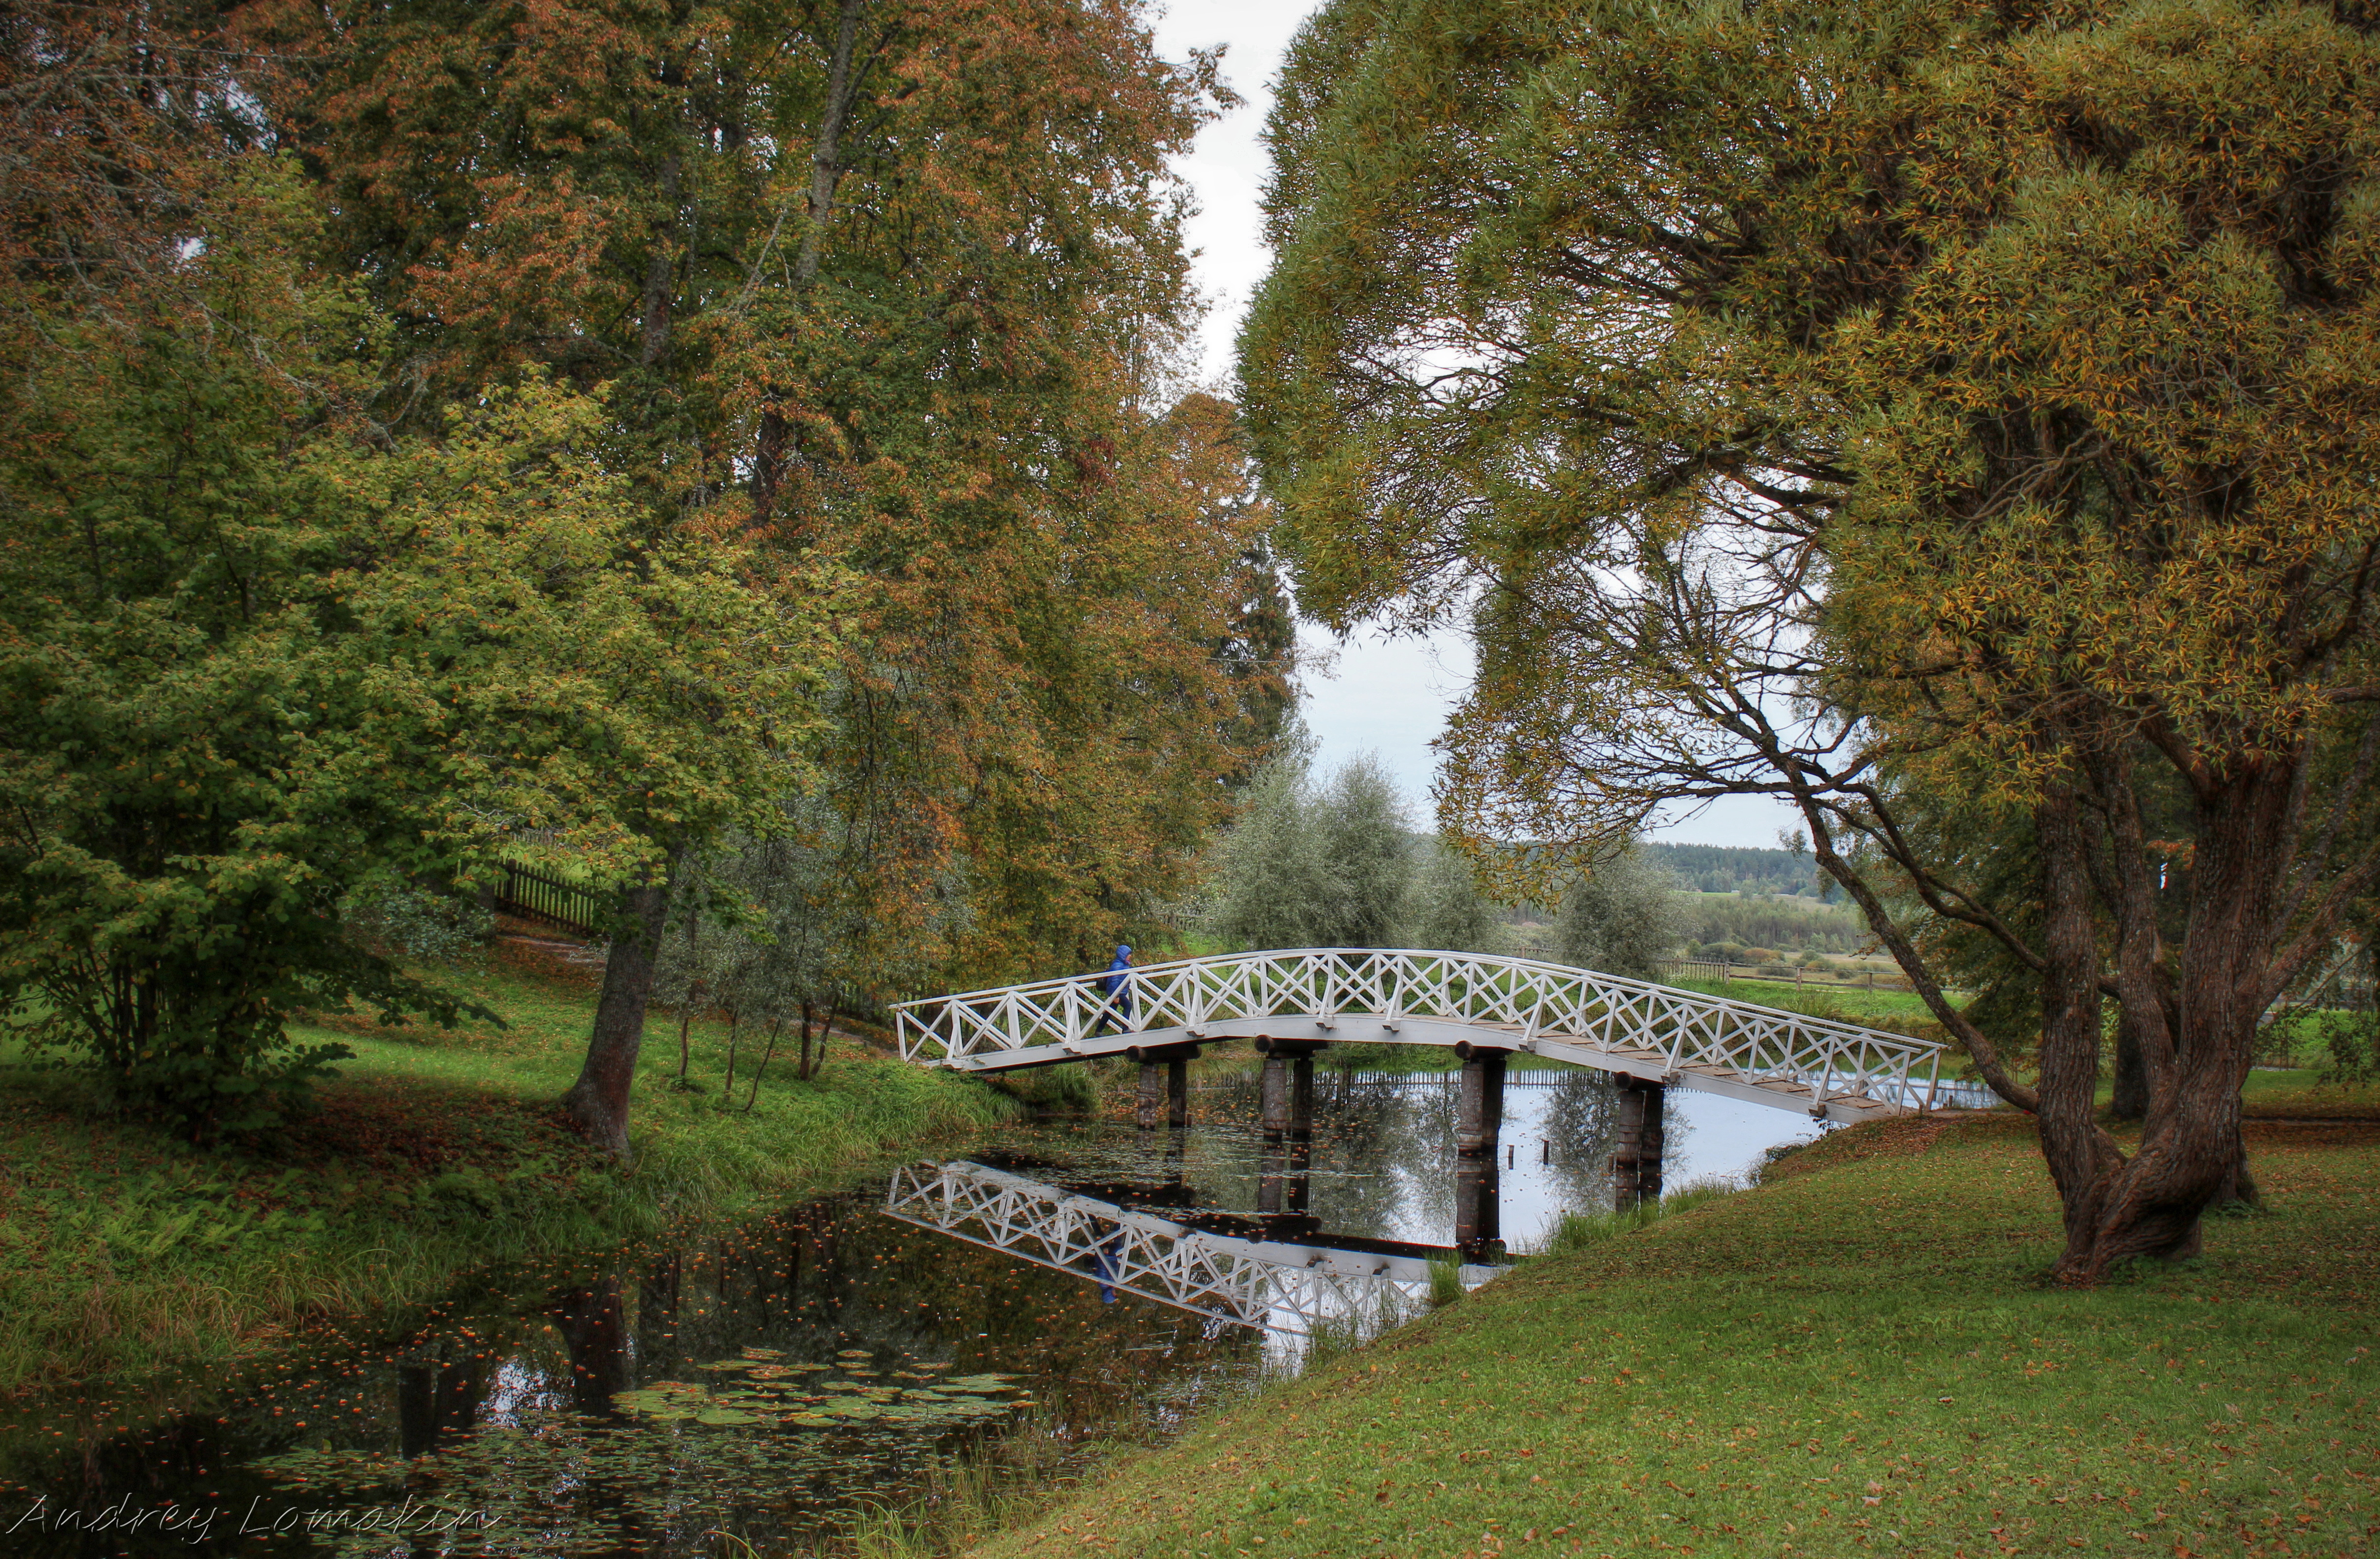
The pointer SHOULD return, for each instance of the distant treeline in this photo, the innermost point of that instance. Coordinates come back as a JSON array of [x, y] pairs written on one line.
[[1714, 926], [1718, 868]]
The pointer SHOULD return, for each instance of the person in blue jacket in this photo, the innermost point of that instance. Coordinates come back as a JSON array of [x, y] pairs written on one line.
[[1116, 987]]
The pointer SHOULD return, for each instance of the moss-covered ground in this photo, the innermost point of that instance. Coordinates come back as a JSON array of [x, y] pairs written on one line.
[[122, 1249], [1858, 1356]]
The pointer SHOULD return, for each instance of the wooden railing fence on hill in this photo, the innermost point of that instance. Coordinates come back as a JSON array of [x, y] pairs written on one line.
[[564, 906], [1782, 973]]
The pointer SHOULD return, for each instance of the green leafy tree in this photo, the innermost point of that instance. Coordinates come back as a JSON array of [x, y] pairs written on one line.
[[1269, 885], [1444, 910], [1366, 851], [1307, 866], [1880, 409], [1622, 918], [261, 662]]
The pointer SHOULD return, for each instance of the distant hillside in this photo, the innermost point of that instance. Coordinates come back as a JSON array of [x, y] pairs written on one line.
[[1724, 868]]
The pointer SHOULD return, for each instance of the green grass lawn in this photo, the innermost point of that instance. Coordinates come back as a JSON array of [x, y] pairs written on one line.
[[1856, 1357], [122, 1249], [1851, 1003]]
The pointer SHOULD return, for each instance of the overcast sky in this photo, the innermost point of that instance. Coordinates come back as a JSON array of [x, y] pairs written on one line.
[[1377, 694]]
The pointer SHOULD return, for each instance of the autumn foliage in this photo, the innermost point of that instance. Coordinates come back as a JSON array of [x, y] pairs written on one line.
[[611, 431], [1954, 422]]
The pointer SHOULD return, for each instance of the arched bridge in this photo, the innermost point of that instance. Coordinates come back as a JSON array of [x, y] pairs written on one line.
[[1295, 1002]]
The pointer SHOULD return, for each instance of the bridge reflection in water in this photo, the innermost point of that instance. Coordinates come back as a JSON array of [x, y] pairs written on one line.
[[1276, 1270]]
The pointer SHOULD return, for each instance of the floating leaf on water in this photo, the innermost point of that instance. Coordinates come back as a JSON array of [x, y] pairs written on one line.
[[726, 1415], [728, 1364], [764, 1353], [978, 1383], [855, 1353], [806, 1369], [808, 1420], [772, 1371]]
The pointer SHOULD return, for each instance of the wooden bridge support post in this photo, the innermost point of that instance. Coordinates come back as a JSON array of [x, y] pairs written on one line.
[[1476, 1224], [1479, 1109], [1152, 1095], [1637, 1164], [1478, 1131], [1275, 1095], [1177, 1094], [1268, 1176], [1301, 1097]]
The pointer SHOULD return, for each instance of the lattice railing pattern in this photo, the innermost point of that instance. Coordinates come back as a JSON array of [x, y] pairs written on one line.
[[1133, 1253], [1522, 999]]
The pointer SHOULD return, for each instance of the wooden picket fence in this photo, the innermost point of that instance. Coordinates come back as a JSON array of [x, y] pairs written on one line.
[[533, 895]]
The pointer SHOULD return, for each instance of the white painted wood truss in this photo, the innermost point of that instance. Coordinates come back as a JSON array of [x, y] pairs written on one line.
[[1275, 1284], [1831, 1070]]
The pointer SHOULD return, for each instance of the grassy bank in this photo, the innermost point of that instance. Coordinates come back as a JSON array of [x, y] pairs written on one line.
[[1856, 1356], [122, 1250]]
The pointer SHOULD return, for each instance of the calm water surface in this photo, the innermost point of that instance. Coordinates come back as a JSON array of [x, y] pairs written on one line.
[[770, 1382]]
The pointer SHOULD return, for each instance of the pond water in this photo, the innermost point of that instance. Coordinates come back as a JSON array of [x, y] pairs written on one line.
[[769, 1382]]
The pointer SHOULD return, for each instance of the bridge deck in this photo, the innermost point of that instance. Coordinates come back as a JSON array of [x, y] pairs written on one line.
[[1764, 1056]]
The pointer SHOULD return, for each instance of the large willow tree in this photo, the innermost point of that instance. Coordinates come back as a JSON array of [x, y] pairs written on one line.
[[1957, 420]]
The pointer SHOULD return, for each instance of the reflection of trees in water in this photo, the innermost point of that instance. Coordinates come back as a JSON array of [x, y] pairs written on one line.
[[1380, 1154], [1582, 1117], [844, 1276], [1384, 1145], [513, 1391]]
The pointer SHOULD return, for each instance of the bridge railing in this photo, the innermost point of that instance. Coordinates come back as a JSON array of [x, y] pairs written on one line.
[[1278, 1287], [1531, 999]]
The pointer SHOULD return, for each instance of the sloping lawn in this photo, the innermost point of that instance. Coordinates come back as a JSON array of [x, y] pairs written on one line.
[[1856, 1357]]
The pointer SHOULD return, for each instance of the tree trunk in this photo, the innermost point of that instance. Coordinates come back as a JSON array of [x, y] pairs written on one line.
[[598, 1102], [2191, 1154], [2080, 1154], [2130, 1101], [776, 448], [776, 1026], [684, 1021]]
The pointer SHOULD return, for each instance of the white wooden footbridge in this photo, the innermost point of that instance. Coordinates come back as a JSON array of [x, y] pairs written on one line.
[[1293, 1003]]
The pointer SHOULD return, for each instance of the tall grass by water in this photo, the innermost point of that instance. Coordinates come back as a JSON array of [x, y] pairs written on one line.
[[124, 1250]]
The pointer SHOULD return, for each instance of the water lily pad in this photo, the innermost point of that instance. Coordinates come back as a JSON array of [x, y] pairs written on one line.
[[726, 1415], [764, 1353], [855, 1353], [808, 1420], [725, 1364], [772, 1371], [978, 1383]]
